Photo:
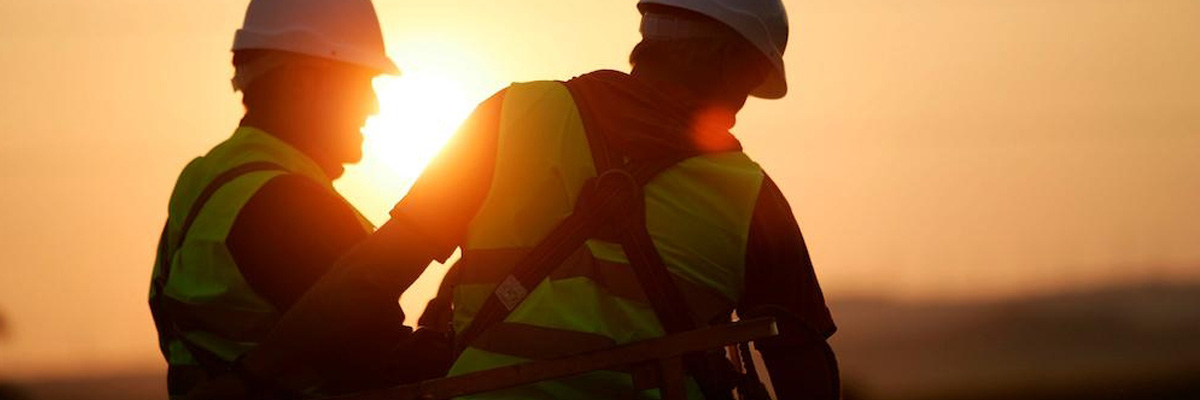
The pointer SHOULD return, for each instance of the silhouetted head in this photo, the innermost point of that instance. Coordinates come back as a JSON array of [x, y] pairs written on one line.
[[305, 68], [707, 57], [317, 105]]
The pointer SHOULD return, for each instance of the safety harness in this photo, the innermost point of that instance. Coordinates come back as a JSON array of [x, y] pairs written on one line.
[[612, 205]]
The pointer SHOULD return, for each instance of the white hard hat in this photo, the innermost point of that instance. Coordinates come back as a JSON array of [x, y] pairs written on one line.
[[763, 23], [339, 30]]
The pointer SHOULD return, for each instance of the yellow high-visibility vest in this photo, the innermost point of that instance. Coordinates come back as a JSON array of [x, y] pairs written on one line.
[[698, 213], [225, 317]]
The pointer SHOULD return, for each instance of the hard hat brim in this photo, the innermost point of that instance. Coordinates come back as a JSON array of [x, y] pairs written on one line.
[[389, 67], [775, 86]]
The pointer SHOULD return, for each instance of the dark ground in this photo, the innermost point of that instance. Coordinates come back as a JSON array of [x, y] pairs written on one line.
[[1135, 342], [1128, 343]]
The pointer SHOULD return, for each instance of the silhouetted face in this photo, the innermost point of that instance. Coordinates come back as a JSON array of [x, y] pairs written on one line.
[[345, 99], [331, 103]]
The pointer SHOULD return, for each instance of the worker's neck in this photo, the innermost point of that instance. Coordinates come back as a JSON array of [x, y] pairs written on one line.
[[716, 105], [669, 83], [291, 131], [703, 91]]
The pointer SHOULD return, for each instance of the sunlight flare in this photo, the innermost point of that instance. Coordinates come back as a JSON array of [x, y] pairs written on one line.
[[418, 112]]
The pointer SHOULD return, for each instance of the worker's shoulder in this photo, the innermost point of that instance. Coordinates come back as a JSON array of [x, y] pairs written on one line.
[[289, 190], [734, 162], [293, 200], [537, 92], [735, 157], [544, 86]]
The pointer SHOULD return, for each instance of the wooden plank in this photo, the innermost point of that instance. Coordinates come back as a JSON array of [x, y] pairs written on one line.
[[522, 374]]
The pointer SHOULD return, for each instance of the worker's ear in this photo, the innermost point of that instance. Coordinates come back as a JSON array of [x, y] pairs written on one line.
[[305, 87], [308, 79]]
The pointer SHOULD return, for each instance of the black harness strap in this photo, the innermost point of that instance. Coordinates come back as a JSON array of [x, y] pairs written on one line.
[[614, 199], [167, 327], [602, 199]]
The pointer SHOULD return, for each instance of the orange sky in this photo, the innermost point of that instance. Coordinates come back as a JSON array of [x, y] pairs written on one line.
[[930, 148]]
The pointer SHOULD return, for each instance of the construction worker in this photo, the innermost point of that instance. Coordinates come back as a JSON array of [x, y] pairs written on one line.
[[255, 222], [524, 171]]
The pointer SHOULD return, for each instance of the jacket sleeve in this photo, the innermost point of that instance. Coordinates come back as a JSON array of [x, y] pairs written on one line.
[[781, 283], [288, 235]]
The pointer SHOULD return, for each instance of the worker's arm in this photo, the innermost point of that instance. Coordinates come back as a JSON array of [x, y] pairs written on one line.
[[428, 224], [781, 283], [450, 191], [289, 234]]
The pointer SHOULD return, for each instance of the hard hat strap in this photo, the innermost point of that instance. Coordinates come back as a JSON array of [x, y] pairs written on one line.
[[670, 27], [247, 73]]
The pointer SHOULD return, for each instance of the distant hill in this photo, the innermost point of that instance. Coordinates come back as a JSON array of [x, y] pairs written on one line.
[[3, 328], [1126, 342], [123, 386]]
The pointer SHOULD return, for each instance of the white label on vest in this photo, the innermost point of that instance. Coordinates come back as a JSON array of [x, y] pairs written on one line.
[[511, 292]]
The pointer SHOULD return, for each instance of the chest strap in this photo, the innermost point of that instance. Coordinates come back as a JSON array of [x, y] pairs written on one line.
[[611, 196]]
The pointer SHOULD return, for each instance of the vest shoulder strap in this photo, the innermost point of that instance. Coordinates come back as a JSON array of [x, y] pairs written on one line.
[[167, 328], [216, 184]]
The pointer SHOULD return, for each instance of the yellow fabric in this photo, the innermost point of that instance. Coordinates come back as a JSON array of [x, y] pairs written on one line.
[[538, 174], [698, 213], [204, 273]]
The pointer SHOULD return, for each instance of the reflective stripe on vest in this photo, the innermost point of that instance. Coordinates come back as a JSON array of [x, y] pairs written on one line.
[[206, 295], [698, 213]]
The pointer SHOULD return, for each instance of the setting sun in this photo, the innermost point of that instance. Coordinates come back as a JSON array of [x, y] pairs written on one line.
[[418, 112]]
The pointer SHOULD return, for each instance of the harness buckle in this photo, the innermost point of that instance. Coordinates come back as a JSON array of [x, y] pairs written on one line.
[[511, 292]]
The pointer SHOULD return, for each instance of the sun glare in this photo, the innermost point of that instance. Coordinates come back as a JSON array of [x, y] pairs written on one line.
[[418, 112]]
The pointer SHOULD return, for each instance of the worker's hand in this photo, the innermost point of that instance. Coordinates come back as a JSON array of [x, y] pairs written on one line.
[[225, 387]]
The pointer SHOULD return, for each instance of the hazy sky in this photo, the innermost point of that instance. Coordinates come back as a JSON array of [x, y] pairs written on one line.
[[930, 148]]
